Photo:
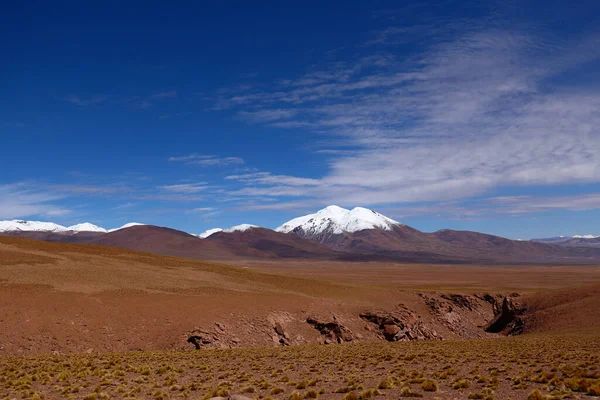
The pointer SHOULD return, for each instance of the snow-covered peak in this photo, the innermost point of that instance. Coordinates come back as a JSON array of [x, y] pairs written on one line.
[[336, 220], [209, 232], [128, 225], [30, 226], [86, 227], [240, 228], [585, 237]]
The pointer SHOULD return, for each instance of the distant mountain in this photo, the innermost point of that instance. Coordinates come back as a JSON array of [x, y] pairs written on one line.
[[240, 228], [333, 220], [38, 226], [572, 241], [333, 233], [273, 244], [127, 225], [167, 241], [236, 228], [30, 226], [86, 227], [368, 234], [51, 232]]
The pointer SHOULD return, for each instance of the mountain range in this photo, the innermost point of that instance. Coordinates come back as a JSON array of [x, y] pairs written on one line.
[[575, 241], [333, 233]]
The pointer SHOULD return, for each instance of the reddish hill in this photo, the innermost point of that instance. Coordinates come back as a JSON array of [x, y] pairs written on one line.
[[166, 241], [476, 245], [273, 243], [404, 243]]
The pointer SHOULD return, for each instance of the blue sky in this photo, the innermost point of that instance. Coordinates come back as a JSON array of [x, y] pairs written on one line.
[[441, 114]]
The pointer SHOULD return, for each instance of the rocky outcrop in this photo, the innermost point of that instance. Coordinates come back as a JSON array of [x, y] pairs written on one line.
[[463, 315], [331, 331], [495, 301], [219, 337], [281, 336], [509, 318], [400, 325], [200, 338]]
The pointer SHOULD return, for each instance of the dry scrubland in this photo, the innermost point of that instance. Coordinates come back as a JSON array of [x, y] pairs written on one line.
[[100, 303], [535, 367]]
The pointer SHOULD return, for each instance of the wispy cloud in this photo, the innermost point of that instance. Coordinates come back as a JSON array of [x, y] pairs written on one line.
[[266, 115], [481, 109], [265, 178], [23, 200], [185, 187], [207, 160]]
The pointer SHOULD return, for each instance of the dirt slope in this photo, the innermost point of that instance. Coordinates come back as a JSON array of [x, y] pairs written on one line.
[[566, 310]]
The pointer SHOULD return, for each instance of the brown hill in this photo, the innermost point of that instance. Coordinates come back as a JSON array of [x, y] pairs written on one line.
[[476, 245], [274, 244], [167, 241], [407, 244]]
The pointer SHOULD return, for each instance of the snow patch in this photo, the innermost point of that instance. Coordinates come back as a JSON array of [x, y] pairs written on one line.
[[30, 226], [86, 227], [240, 228], [128, 225], [209, 232]]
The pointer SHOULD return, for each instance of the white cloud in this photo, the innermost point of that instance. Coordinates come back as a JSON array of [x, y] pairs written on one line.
[[185, 187], [481, 111], [22, 200]]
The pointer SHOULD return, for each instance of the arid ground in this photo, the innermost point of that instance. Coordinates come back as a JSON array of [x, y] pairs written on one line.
[[86, 321]]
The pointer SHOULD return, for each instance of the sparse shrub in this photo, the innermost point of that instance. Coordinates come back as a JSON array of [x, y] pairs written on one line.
[[406, 392], [535, 395], [301, 385], [429, 386], [461, 384], [277, 390], [296, 396], [594, 390], [387, 383], [249, 389], [367, 394], [311, 394], [350, 396]]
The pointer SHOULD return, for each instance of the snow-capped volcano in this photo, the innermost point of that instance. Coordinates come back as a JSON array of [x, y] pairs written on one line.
[[585, 237], [31, 226], [335, 220], [86, 227]]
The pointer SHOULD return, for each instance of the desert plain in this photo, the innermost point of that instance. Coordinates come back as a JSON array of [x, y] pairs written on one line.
[[98, 322]]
